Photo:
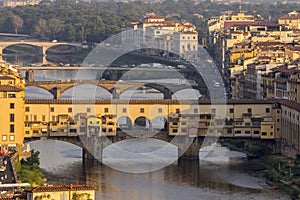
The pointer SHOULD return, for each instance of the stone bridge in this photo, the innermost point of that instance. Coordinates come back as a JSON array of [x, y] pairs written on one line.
[[93, 146], [41, 46], [116, 88]]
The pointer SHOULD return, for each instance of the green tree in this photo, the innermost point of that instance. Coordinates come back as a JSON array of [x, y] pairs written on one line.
[[17, 23], [55, 27]]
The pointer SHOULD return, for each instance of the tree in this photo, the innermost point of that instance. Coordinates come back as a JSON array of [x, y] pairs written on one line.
[[17, 23], [55, 26], [33, 159], [41, 29]]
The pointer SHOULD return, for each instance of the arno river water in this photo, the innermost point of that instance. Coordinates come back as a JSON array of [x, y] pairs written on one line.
[[185, 180]]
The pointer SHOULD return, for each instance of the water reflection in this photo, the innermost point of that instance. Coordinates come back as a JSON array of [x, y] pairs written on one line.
[[187, 180]]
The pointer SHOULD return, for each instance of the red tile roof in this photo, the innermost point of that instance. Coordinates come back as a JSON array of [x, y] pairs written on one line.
[[228, 25], [10, 88], [290, 104], [155, 17], [61, 188], [290, 16], [285, 70], [281, 80], [189, 32], [6, 77]]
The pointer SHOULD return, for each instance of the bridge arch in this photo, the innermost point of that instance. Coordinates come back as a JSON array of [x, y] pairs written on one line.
[[124, 123], [189, 93], [159, 123], [86, 91], [54, 46], [40, 91], [142, 122], [134, 93], [74, 141], [37, 48]]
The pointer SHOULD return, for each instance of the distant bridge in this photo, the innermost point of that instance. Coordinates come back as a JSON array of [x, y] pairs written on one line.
[[41, 46], [116, 88]]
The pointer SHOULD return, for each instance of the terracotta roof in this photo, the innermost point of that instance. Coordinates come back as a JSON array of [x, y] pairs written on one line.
[[6, 77], [268, 43], [228, 25], [281, 80], [290, 104], [290, 16], [138, 101], [9, 88], [294, 81], [285, 70], [293, 48], [155, 17], [61, 188], [264, 57], [189, 32]]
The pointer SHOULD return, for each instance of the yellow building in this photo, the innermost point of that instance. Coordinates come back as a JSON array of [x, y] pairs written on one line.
[[12, 108], [61, 192], [14, 3], [290, 129], [241, 118], [290, 20]]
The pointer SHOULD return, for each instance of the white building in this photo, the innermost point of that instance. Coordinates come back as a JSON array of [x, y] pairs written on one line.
[[164, 37]]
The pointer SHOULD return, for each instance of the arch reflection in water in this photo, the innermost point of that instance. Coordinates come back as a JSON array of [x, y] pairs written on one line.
[[186, 180], [139, 155]]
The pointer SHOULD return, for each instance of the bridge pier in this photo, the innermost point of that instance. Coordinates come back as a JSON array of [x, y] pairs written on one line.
[[86, 155], [29, 75], [167, 93], [192, 152], [42, 50], [56, 92], [116, 93]]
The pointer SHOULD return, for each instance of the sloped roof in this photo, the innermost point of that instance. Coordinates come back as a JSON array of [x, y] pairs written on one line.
[[291, 15], [10, 88], [3, 77], [61, 188]]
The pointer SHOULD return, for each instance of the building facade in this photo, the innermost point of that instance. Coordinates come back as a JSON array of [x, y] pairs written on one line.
[[241, 118], [291, 20], [12, 108], [61, 192], [164, 37]]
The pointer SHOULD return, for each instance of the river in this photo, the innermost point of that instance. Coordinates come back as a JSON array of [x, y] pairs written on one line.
[[185, 180]]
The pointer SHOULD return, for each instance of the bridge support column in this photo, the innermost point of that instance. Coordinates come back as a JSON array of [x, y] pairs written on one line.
[[29, 75], [168, 94], [56, 92], [114, 75], [94, 146], [44, 60], [42, 50], [86, 155], [193, 150], [116, 93], [188, 147]]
